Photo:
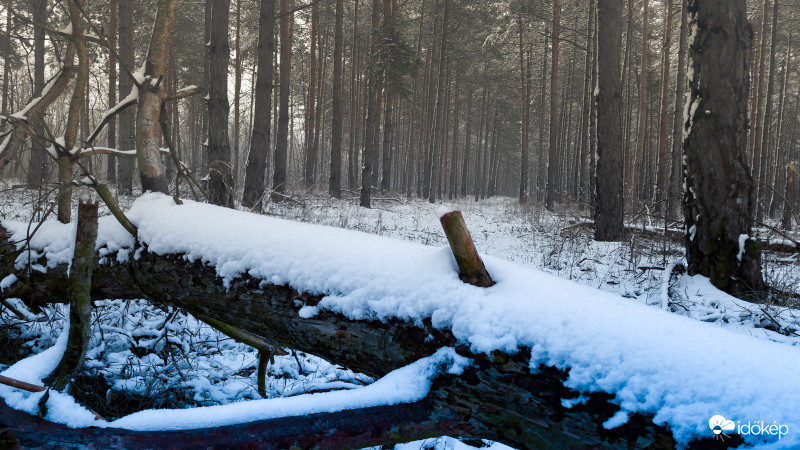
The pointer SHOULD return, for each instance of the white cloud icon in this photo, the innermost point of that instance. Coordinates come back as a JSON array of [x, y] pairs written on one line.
[[718, 424]]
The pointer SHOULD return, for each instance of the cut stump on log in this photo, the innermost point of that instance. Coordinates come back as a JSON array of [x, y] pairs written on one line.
[[470, 265]]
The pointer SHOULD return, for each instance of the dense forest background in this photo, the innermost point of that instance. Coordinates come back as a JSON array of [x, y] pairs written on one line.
[[478, 95]]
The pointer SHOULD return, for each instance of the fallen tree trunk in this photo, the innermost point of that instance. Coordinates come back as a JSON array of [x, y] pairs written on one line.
[[497, 398], [347, 429]]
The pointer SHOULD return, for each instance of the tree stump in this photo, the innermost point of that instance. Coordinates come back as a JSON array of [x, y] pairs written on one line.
[[470, 265]]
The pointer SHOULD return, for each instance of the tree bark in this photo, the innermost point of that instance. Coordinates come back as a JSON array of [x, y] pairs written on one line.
[[127, 118], [388, 103], [790, 195], [310, 125], [762, 184], [641, 140], [37, 167], [73, 115], [220, 183], [282, 139], [84, 259], [662, 170], [237, 97], [757, 129], [111, 168], [609, 199], [717, 201], [782, 158], [552, 154], [677, 122], [523, 174], [5, 108], [370, 148], [438, 126], [255, 172], [335, 179], [152, 94]]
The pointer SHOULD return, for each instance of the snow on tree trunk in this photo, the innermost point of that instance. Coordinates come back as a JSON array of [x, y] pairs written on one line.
[[152, 94], [717, 199]]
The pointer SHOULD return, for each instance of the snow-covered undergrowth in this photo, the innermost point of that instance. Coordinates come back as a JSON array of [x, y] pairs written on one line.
[[158, 358], [682, 370]]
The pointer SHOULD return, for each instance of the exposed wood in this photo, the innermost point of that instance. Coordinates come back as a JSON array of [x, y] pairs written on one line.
[[21, 384], [470, 265]]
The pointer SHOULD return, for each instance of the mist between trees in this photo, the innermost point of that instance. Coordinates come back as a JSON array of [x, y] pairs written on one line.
[[570, 103]]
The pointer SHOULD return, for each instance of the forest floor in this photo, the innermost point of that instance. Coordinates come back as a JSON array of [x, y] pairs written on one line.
[[144, 356]]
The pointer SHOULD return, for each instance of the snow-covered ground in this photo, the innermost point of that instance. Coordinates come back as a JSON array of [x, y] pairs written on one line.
[[652, 360]]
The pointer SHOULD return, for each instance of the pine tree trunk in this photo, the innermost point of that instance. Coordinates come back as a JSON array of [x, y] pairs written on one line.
[[439, 111], [677, 123], [370, 149], [588, 100], [310, 126], [260, 138], [220, 183], [718, 198], [782, 157], [552, 159], [454, 156], [609, 200], [237, 98], [763, 185], [37, 167], [468, 141], [593, 130], [790, 194], [523, 175], [6, 107], [641, 135], [335, 180], [282, 140], [757, 111], [662, 171], [541, 173], [126, 117], [353, 150], [111, 167]]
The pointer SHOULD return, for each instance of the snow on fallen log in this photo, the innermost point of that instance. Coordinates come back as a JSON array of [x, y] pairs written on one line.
[[676, 370]]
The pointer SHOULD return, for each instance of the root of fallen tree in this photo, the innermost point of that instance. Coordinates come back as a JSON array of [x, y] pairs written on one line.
[[497, 398]]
